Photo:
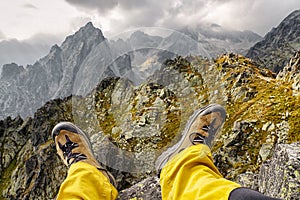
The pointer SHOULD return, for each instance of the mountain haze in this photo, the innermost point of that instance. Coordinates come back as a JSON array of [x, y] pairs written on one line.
[[25, 51]]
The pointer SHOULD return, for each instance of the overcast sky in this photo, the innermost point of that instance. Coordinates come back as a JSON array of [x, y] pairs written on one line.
[[37, 18]]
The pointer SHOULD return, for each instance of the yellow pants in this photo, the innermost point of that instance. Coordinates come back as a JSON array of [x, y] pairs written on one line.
[[189, 175], [85, 181]]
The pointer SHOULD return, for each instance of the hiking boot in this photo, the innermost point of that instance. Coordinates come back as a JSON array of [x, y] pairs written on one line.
[[201, 128], [73, 145]]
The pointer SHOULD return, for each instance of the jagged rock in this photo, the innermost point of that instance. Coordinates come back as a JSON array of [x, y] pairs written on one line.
[[266, 150], [146, 189], [30, 168], [13, 137], [274, 51], [291, 73], [248, 179], [10, 71], [40, 177], [280, 176], [75, 67], [269, 126]]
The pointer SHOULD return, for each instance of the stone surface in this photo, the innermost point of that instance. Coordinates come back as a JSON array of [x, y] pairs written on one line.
[[278, 45], [146, 189], [291, 73], [280, 176]]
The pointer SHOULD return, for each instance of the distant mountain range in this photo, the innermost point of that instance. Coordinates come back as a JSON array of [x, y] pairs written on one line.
[[25, 51], [86, 57]]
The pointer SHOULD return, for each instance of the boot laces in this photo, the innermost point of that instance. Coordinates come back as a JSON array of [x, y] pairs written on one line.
[[67, 152], [197, 138]]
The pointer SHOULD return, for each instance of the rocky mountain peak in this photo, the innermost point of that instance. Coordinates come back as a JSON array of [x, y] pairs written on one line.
[[140, 39], [287, 30], [87, 34], [294, 16], [281, 42], [11, 70], [138, 34], [55, 48]]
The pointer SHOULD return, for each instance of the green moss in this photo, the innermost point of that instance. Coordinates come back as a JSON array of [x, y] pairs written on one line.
[[170, 129], [107, 123], [6, 175], [102, 104]]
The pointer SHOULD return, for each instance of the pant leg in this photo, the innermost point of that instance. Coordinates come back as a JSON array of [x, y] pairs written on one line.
[[248, 194], [85, 181], [191, 174]]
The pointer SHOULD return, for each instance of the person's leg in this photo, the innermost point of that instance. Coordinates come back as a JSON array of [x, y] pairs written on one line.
[[86, 179], [187, 170], [191, 174]]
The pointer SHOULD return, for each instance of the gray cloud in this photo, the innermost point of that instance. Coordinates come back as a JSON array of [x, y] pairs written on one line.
[[146, 14], [101, 5], [29, 6], [255, 15]]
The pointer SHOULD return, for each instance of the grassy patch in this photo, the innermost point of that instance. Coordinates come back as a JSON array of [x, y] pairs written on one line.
[[6, 175]]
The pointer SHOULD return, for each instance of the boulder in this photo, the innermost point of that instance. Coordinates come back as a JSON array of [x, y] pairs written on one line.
[[280, 176]]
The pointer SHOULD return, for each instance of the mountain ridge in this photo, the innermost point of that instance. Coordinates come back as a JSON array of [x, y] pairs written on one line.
[[278, 44], [85, 58], [55, 75]]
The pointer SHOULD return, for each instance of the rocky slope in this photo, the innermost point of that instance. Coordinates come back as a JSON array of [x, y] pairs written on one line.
[[291, 73], [130, 126], [279, 44]]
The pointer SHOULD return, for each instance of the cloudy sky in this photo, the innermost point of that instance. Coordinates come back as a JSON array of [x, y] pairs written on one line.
[[36, 18], [28, 28]]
